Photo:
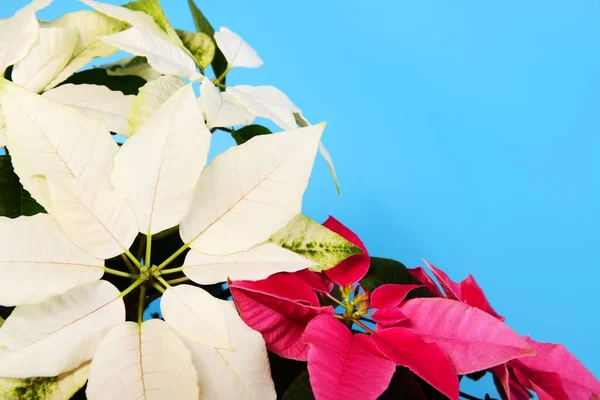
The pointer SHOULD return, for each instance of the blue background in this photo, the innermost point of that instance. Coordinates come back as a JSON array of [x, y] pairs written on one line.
[[463, 132]]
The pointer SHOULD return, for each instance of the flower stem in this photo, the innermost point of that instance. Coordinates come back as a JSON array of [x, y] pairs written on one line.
[[161, 280], [173, 256], [131, 288], [119, 273], [366, 328], [178, 280], [222, 76], [128, 263], [141, 304], [335, 300], [147, 261], [171, 271], [133, 259], [158, 287]]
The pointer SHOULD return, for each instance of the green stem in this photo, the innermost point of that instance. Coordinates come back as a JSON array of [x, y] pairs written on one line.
[[119, 273], [131, 288], [178, 280], [171, 271], [173, 256], [161, 280], [147, 261], [158, 287], [222, 76], [141, 304], [140, 251], [128, 263], [335, 300], [133, 259], [366, 328]]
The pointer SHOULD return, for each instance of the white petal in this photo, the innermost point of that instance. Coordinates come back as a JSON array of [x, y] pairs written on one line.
[[221, 109], [94, 217], [61, 387], [241, 373], [142, 361], [136, 66], [237, 52], [267, 102], [89, 25], [134, 18], [163, 55], [19, 33], [158, 167], [49, 338], [196, 315], [47, 58], [150, 97], [259, 262], [45, 137], [38, 261], [251, 191], [95, 101]]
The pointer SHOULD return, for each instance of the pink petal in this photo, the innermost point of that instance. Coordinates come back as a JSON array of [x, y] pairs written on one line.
[[548, 385], [388, 316], [281, 322], [342, 365], [423, 277], [354, 268], [390, 295], [427, 360], [283, 286], [315, 280], [474, 296], [502, 381], [595, 397], [577, 381], [451, 288], [473, 339]]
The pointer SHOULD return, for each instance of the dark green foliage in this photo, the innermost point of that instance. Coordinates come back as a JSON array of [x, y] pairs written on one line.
[[219, 63], [128, 84], [248, 132], [299, 389], [384, 271], [284, 372], [15, 201]]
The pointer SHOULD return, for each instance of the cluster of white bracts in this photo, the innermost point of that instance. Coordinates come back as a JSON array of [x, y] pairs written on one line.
[[68, 322]]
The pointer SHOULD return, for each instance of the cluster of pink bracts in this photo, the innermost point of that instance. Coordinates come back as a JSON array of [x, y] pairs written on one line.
[[438, 338]]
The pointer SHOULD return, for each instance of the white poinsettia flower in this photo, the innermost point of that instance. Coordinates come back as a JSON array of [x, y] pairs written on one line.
[[237, 52], [159, 44], [19, 33], [99, 198], [220, 109]]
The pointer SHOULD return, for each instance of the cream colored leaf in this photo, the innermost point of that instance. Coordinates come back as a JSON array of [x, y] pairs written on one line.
[[241, 373], [315, 242], [96, 101], [19, 33], [61, 387], [196, 315], [97, 219], [267, 102], [237, 52], [38, 261], [251, 191], [59, 334], [146, 361], [47, 58], [89, 25], [145, 38], [45, 137], [150, 97], [221, 109], [259, 262], [136, 66], [158, 168]]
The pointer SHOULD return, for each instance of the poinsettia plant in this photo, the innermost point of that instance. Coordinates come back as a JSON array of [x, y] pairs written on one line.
[[107, 204]]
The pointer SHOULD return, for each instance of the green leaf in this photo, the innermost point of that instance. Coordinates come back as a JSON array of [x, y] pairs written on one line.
[[384, 271], [248, 132], [15, 201], [312, 240], [128, 84], [299, 389], [137, 66], [219, 63], [200, 45]]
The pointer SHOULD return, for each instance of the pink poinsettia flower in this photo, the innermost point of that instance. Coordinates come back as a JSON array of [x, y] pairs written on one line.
[[553, 373]]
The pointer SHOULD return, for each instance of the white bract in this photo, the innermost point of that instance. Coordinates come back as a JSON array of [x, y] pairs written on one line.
[[235, 216]]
